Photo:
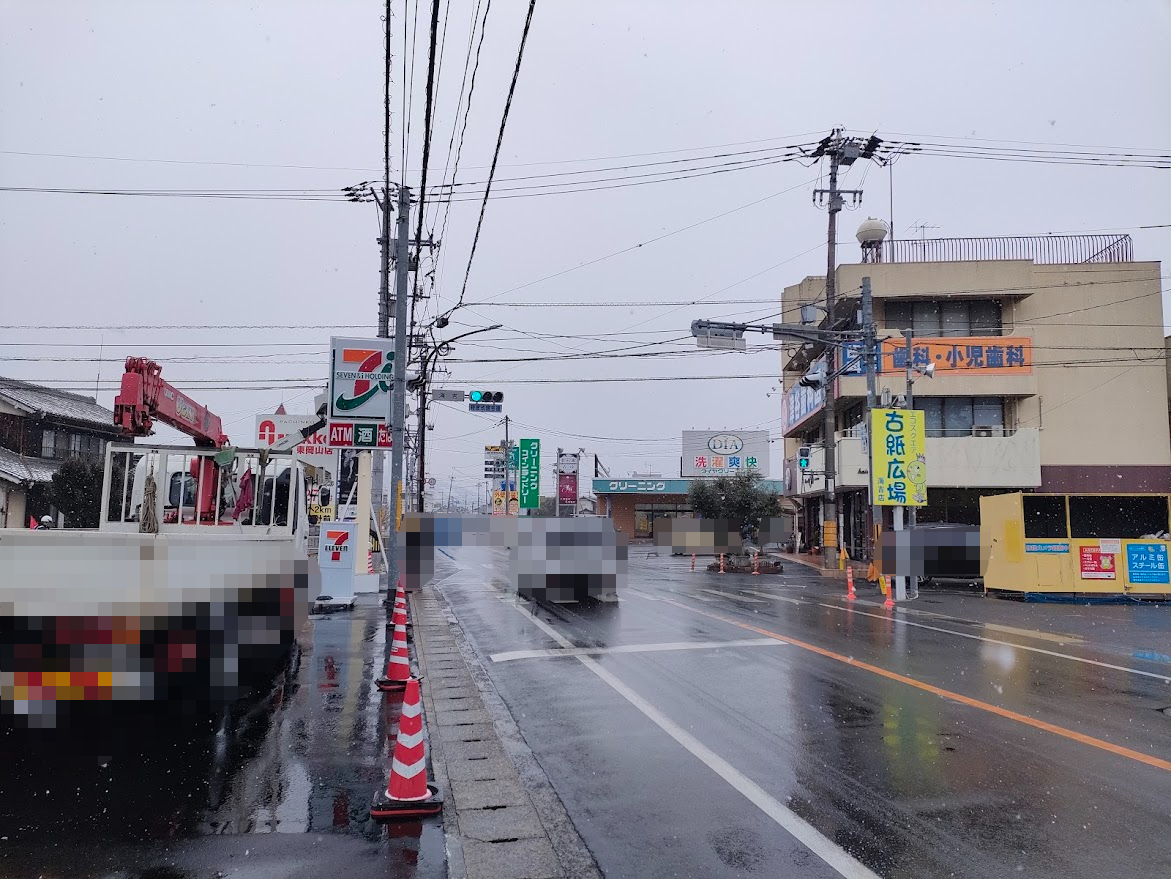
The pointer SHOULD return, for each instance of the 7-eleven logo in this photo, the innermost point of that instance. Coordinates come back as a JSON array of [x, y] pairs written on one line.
[[368, 371], [335, 544]]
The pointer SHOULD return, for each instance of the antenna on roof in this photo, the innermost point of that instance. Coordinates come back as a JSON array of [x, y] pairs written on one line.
[[98, 380]]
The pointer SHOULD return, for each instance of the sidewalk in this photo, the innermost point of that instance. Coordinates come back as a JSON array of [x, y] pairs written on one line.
[[501, 821], [816, 562]]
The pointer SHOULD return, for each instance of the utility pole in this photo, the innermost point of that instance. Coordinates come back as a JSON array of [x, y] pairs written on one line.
[[842, 152], [422, 429], [398, 400], [507, 483], [869, 353], [829, 505], [557, 480]]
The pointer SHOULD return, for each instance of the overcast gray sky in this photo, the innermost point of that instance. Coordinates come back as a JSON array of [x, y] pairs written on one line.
[[228, 96]]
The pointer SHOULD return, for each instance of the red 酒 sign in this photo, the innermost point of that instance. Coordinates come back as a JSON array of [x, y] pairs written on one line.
[[1097, 565]]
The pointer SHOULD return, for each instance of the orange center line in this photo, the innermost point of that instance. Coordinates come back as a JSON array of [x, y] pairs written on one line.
[[1101, 744]]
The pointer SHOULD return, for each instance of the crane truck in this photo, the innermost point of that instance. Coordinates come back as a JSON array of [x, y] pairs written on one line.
[[190, 591]]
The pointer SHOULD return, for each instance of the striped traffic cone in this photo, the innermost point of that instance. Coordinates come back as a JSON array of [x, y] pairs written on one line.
[[369, 563], [400, 619], [890, 592], [398, 667], [400, 603], [850, 594], [408, 793]]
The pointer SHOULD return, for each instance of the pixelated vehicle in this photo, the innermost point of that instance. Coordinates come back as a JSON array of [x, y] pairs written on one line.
[[193, 610], [190, 591], [569, 560], [559, 560]]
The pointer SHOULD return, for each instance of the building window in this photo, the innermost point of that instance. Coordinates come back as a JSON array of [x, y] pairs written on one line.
[[933, 318], [48, 444], [75, 445], [961, 416]]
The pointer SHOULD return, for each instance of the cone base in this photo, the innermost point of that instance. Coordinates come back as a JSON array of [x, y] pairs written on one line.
[[385, 809], [386, 685]]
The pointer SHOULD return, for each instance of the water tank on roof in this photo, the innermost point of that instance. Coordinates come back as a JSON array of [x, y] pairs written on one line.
[[872, 231]]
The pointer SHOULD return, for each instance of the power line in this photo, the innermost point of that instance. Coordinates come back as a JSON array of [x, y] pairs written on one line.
[[263, 385], [427, 125], [649, 241], [792, 151], [499, 143]]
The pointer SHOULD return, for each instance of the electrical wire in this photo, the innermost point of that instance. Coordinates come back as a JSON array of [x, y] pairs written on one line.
[[641, 244], [499, 143]]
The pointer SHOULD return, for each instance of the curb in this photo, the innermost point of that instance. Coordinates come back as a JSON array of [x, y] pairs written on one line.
[[502, 818]]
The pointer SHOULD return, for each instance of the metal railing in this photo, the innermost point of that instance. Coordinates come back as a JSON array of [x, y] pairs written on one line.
[[1044, 249], [177, 472]]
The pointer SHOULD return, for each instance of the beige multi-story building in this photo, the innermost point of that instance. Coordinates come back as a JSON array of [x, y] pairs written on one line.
[[1050, 373]]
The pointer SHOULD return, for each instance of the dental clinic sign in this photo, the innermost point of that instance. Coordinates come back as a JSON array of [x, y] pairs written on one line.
[[724, 453]]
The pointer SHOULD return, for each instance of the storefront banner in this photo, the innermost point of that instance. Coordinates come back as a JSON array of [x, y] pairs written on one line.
[[1007, 355]]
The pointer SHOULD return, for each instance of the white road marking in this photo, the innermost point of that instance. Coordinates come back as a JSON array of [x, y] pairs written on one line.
[[729, 594], [637, 594], [777, 597], [633, 648], [805, 833], [1036, 634], [879, 616]]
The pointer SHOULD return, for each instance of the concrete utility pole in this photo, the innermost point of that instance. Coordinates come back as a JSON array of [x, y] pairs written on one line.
[[378, 457], [842, 152], [398, 400], [870, 354], [557, 480], [420, 477], [507, 484]]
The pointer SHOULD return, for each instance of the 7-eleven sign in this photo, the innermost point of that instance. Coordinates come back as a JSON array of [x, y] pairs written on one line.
[[336, 544], [360, 378]]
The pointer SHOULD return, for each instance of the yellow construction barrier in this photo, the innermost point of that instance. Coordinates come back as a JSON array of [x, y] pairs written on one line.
[[1098, 544]]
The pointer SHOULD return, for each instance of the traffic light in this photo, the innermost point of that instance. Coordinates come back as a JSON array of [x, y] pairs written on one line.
[[803, 457], [816, 379], [486, 396]]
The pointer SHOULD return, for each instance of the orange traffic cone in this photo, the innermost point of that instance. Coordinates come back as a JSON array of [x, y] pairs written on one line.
[[756, 565], [398, 667], [408, 793], [721, 563], [890, 592], [400, 619], [850, 595], [400, 602]]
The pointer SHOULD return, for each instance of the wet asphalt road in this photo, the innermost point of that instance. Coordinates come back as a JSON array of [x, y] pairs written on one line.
[[959, 737], [279, 788]]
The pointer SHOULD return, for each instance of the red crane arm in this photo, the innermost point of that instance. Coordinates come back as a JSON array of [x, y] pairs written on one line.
[[145, 398]]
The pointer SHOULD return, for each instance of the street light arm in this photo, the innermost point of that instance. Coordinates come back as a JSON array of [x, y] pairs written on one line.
[[778, 331]]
